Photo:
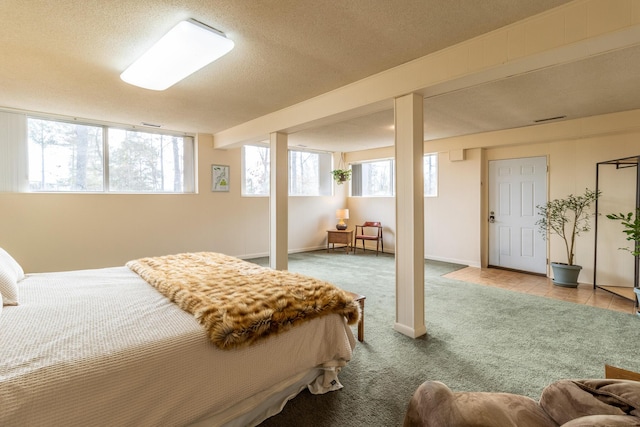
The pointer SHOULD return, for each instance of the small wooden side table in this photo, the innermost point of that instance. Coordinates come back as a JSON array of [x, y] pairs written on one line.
[[360, 300], [340, 236]]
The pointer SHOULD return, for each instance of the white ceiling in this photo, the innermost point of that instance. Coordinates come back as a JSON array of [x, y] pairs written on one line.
[[65, 57]]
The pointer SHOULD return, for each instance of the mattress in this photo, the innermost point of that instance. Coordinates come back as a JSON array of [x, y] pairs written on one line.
[[102, 347]]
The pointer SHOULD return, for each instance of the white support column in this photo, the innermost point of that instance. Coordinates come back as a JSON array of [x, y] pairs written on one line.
[[409, 216], [279, 202]]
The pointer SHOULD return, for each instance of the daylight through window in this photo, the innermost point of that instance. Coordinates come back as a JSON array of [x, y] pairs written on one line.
[[370, 179], [309, 172], [71, 157], [430, 167], [65, 156], [255, 170]]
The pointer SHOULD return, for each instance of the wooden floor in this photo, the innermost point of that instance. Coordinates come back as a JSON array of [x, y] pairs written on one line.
[[543, 286]]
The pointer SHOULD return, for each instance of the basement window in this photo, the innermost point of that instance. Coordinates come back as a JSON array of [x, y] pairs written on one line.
[[89, 158], [430, 170], [309, 172], [373, 179]]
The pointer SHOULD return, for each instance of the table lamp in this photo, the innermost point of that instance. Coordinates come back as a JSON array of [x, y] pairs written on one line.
[[342, 214]]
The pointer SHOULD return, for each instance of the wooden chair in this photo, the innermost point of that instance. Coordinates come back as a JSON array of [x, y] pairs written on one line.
[[364, 232]]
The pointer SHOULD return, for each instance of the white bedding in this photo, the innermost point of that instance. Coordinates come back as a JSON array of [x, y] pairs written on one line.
[[102, 347]]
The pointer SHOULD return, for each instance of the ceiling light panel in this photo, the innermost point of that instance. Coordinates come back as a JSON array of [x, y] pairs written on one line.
[[185, 49]]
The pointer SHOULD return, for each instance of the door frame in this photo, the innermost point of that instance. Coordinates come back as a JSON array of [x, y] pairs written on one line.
[[484, 208]]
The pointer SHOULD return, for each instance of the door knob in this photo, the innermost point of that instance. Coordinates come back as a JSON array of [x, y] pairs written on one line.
[[492, 217]]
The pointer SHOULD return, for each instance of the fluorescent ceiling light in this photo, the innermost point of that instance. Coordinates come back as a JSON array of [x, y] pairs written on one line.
[[185, 49]]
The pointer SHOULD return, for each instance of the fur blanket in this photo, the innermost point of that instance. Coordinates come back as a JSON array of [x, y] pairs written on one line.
[[239, 302]]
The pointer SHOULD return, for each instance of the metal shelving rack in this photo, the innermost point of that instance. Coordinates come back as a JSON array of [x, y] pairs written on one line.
[[626, 162]]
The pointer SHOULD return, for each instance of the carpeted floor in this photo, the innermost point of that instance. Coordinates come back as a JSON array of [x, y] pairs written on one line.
[[478, 339]]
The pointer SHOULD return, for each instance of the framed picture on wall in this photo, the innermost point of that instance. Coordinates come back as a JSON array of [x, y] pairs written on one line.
[[219, 178]]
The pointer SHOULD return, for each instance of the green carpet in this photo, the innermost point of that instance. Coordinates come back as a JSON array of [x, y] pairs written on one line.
[[478, 339]]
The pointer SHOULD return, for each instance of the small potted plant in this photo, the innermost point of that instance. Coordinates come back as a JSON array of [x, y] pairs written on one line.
[[341, 175], [567, 218]]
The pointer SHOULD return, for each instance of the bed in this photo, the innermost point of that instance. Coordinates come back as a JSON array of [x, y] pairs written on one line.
[[104, 347]]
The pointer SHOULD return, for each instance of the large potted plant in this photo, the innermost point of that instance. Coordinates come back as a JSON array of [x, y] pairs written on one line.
[[567, 218]]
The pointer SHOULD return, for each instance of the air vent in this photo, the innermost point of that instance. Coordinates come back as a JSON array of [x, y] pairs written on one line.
[[549, 119], [152, 125]]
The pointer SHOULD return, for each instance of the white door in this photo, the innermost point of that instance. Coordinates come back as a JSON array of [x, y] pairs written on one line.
[[516, 187]]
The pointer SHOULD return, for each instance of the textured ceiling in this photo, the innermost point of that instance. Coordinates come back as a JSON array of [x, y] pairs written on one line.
[[602, 84], [65, 57]]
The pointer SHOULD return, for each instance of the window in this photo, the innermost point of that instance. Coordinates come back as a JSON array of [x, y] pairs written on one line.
[[309, 172], [66, 156], [430, 170], [255, 168], [373, 178], [145, 162]]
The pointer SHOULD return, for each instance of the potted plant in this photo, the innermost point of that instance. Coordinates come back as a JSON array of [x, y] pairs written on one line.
[[631, 227], [341, 175], [567, 218]]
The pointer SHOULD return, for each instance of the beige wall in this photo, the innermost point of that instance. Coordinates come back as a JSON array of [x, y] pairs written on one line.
[[68, 231], [456, 222], [457, 180], [572, 168], [47, 232], [52, 232], [381, 209], [452, 219]]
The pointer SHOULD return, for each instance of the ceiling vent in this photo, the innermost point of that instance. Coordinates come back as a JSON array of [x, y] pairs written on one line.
[[549, 119]]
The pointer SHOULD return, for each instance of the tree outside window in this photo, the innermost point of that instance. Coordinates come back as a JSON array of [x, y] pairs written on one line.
[[430, 170], [309, 172], [66, 156]]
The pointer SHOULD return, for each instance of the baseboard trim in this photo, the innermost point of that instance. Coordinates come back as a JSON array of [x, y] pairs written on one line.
[[291, 251], [454, 261]]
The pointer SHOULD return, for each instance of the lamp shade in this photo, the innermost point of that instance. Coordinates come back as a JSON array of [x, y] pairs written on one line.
[[342, 213], [185, 49]]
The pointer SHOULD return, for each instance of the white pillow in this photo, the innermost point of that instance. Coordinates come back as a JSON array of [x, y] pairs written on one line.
[[12, 263], [10, 274]]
